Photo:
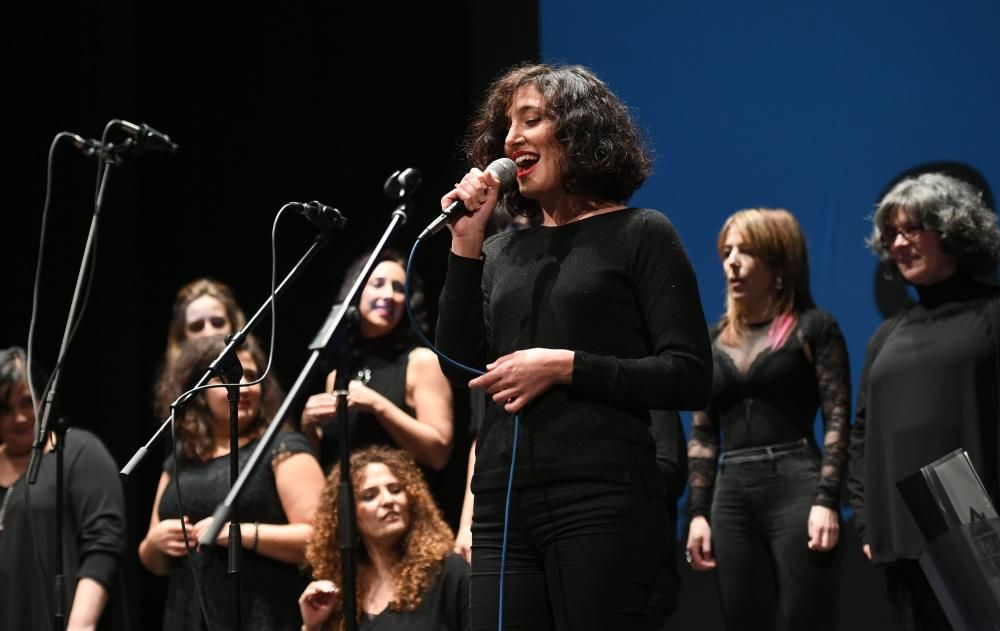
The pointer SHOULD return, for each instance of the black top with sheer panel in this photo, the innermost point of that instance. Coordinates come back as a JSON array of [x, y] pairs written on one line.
[[762, 397]]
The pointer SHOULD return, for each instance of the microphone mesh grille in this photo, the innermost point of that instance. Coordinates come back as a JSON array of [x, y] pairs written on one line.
[[505, 170]]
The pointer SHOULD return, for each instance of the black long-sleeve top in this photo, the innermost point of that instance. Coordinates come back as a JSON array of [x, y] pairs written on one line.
[[929, 386], [93, 535], [615, 288], [762, 396]]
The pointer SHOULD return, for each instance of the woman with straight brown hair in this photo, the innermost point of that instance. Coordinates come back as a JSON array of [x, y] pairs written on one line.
[[777, 359], [202, 308]]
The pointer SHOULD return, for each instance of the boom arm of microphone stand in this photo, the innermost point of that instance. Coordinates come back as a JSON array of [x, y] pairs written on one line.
[[235, 341], [327, 336]]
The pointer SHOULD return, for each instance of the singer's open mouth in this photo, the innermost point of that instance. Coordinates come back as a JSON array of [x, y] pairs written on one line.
[[525, 162]]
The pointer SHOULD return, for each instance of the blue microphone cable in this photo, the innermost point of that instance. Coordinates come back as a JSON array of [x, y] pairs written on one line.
[[517, 417]]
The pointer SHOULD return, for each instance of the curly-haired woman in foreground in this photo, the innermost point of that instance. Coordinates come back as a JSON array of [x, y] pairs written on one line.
[[407, 577]]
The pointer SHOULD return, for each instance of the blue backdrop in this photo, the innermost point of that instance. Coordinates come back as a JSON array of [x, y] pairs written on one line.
[[813, 107]]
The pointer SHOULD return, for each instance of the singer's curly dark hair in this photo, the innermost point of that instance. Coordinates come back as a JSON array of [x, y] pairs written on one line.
[[604, 153]]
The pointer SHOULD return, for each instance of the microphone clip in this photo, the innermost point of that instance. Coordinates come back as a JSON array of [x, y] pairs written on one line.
[[402, 184]]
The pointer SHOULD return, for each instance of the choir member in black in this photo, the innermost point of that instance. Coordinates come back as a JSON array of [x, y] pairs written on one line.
[[397, 395], [765, 484], [583, 324], [275, 508], [408, 578], [930, 381], [202, 308], [93, 535]]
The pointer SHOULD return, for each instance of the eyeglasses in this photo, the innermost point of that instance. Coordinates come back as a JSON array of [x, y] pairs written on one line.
[[909, 232], [217, 322]]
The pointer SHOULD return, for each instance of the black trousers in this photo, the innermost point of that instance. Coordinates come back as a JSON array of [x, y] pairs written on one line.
[[914, 605], [581, 555], [762, 502]]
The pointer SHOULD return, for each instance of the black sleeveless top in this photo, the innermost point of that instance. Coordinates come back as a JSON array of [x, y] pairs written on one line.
[[381, 365]]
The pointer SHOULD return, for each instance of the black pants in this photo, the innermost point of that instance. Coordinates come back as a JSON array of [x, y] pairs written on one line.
[[581, 555], [914, 605], [762, 501]]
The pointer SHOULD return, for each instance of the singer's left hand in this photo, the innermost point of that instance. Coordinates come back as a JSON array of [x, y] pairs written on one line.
[[516, 379]]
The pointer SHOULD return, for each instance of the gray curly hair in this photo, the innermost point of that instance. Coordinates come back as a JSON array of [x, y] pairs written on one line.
[[953, 209]]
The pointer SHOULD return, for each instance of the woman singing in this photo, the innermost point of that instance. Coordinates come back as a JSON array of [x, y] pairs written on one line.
[[777, 360], [584, 323]]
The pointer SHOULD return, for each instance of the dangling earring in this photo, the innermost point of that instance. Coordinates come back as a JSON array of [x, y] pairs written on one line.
[[778, 284]]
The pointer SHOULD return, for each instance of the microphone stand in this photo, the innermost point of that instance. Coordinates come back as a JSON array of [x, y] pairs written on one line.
[[235, 341], [334, 334], [231, 372], [109, 155], [228, 368]]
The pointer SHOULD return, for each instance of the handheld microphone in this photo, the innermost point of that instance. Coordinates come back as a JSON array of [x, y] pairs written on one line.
[[503, 168], [145, 137], [320, 215]]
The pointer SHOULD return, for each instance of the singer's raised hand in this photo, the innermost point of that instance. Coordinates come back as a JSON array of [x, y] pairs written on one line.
[[478, 191]]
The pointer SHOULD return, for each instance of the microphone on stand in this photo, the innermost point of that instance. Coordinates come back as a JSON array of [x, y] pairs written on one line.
[[503, 168], [147, 138], [88, 146], [320, 215]]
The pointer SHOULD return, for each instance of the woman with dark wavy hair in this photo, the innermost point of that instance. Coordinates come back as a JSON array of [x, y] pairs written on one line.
[[583, 323], [930, 378], [275, 508], [397, 395], [407, 576]]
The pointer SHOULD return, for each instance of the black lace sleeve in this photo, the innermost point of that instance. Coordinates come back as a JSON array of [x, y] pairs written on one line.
[[833, 376], [703, 454]]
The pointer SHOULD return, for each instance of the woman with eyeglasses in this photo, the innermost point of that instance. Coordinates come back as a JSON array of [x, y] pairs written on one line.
[[930, 379], [758, 479]]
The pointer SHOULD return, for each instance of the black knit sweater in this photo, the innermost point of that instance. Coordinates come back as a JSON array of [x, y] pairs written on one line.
[[619, 291]]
